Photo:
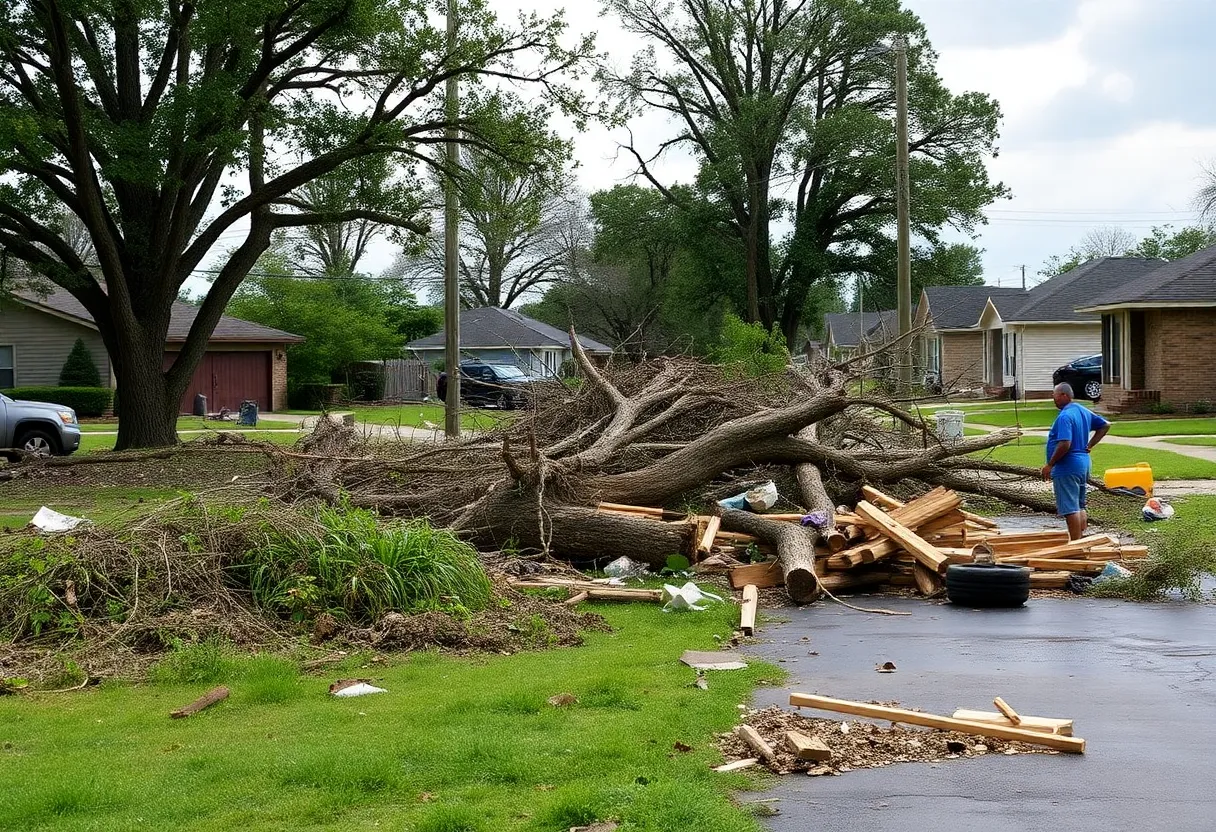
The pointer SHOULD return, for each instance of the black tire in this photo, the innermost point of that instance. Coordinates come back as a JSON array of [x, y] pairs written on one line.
[[37, 441], [987, 585]]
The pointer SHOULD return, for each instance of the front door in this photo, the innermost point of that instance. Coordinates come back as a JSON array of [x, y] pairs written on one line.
[[996, 359]]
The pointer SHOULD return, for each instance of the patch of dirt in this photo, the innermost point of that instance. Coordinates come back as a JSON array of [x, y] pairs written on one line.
[[865, 745]]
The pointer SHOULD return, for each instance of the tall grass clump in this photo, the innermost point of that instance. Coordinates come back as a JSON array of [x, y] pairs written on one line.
[[354, 568]]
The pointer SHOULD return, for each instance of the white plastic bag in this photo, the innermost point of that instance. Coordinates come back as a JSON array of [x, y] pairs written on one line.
[[49, 520], [684, 598], [361, 689], [1156, 509], [762, 497]]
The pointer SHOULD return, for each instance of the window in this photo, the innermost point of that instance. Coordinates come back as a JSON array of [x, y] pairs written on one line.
[[935, 355], [1112, 348], [8, 368], [1011, 354]]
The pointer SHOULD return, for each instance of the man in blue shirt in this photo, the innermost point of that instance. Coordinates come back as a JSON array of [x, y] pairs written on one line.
[[1068, 447]]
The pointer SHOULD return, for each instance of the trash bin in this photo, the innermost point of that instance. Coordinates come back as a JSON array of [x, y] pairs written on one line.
[[200, 405], [949, 424], [247, 414]]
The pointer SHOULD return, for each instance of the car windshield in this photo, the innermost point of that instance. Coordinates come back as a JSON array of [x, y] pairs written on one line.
[[506, 371], [1089, 361]]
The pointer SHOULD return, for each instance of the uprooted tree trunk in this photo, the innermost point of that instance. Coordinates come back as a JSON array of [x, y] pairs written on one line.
[[662, 434]]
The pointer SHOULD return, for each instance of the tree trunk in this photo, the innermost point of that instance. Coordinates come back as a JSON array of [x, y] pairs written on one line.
[[815, 497], [795, 550], [147, 406]]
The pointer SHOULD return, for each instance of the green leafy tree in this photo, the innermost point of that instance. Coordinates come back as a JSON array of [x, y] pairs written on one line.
[[789, 109], [953, 264], [79, 370], [1166, 244], [165, 127], [1163, 243]]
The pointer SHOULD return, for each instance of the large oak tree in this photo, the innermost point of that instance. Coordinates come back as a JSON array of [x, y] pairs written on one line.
[[168, 127], [788, 105]]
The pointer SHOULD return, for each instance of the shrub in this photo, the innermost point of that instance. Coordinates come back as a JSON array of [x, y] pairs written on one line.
[[1161, 408], [86, 401], [750, 350], [365, 383], [1201, 407], [79, 370], [357, 570]]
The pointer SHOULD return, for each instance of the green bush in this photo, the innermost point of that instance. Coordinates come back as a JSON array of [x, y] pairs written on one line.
[[1202, 407], [750, 350], [79, 370], [1161, 408], [357, 570], [86, 401]]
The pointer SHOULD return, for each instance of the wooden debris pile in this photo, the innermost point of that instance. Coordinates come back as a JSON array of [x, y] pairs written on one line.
[[882, 543]]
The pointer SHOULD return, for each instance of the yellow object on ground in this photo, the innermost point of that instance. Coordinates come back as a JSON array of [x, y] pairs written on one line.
[[1139, 475]]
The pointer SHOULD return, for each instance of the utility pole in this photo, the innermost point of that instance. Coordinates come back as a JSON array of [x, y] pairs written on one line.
[[903, 229], [1023, 278], [451, 246]]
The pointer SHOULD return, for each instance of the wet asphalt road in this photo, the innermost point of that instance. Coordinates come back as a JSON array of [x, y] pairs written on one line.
[[1136, 678]]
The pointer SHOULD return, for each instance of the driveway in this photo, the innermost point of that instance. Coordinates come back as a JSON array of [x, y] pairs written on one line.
[[1137, 678]]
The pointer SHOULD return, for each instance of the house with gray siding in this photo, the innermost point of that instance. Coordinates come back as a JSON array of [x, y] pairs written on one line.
[[504, 336], [244, 360]]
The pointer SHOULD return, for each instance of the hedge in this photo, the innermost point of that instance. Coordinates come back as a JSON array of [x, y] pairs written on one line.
[[86, 401]]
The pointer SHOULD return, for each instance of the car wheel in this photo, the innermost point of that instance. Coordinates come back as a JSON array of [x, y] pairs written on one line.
[[37, 443], [987, 585], [1093, 390]]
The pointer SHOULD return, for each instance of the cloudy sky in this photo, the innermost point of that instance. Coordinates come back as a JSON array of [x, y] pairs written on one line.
[[1108, 113]]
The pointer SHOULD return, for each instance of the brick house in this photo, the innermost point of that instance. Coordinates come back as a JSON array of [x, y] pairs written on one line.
[[1159, 335], [951, 344], [243, 360]]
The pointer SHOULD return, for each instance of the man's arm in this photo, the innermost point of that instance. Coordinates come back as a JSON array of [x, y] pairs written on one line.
[[1098, 434], [1061, 451]]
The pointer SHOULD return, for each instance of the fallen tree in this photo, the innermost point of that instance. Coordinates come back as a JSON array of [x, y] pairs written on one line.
[[675, 433]]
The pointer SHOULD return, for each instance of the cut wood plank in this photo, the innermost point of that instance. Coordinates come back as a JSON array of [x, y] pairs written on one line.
[[738, 765], [762, 575], [1073, 745], [711, 531], [845, 581], [879, 499], [1010, 713], [1046, 725], [752, 737], [982, 522], [1068, 565], [624, 595], [921, 550], [1049, 580], [205, 701], [628, 509], [808, 748], [575, 600], [747, 614], [927, 581], [1070, 548]]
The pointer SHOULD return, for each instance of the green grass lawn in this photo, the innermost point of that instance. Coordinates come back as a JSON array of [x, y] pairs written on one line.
[[1167, 465], [195, 423], [1192, 440], [416, 414], [1042, 418], [96, 503], [456, 745], [89, 443]]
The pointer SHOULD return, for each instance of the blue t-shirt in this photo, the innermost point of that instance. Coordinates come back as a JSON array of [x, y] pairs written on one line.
[[1074, 424]]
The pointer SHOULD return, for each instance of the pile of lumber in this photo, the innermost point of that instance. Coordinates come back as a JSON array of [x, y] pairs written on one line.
[[886, 543]]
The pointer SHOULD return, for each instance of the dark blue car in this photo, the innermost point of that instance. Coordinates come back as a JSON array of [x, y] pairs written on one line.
[[1084, 374]]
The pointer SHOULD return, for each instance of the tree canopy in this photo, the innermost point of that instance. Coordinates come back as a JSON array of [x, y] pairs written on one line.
[[1163, 242], [788, 107], [168, 127]]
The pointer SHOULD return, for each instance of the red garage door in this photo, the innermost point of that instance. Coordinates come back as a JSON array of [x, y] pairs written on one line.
[[227, 379]]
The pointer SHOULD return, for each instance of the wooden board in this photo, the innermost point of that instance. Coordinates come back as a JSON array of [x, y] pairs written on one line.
[[1074, 745], [927, 581], [762, 575], [1010, 713], [752, 737], [627, 509], [601, 594], [747, 614], [1071, 548], [1067, 565], [1046, 725], [1049, 580], [901, 534], [711, 531], [808, 748]]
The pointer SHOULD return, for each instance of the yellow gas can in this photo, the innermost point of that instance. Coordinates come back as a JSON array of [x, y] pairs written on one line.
[[1139, 476]]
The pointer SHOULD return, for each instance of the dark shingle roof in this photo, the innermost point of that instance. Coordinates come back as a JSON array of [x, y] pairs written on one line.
[[844, 325], [1059, 298], [960, 307], [489, 326], [1189, 280], [229, 329]]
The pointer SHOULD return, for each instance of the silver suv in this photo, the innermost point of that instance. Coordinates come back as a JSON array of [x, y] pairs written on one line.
[[38, 428]]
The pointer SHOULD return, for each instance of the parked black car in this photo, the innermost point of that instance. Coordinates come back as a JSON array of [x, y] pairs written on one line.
[[504, 386], [1084, 374]]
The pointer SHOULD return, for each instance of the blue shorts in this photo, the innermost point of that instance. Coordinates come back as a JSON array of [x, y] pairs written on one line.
[[1069, 487]]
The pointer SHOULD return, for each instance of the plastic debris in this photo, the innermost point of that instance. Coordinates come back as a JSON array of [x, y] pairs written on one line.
[[712, 660], [1157, 509], [761, 498], [818, 519], [687, 597], [624, 567], [353, 687], [51, 521], [1110, 571]]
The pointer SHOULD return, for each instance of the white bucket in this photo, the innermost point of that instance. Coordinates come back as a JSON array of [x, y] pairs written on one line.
[[949, 424]]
